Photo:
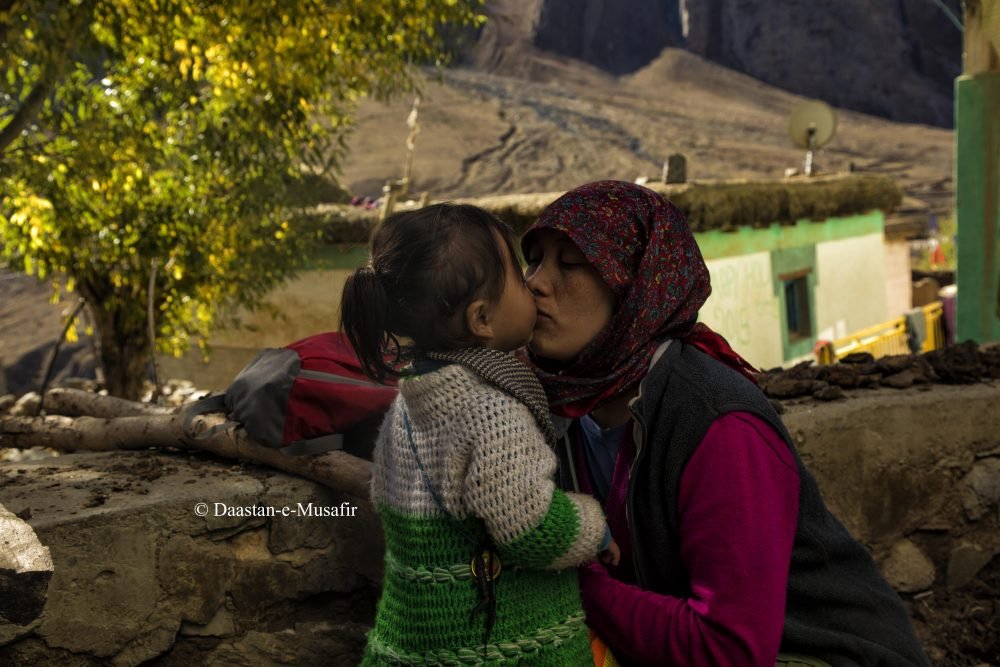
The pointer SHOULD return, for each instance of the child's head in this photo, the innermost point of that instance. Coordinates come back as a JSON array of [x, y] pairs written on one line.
[[444, 276]]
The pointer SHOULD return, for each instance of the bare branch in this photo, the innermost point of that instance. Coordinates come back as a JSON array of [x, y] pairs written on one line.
[[50, 366]]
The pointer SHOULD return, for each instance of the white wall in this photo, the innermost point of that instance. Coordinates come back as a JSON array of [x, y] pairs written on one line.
[[851, 288], [744, 309], [898, 279]]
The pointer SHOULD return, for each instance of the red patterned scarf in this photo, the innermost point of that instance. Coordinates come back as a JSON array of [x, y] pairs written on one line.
[[644, 251]]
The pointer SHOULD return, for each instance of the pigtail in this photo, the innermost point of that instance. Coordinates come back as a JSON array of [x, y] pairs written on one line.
[[365, 318]]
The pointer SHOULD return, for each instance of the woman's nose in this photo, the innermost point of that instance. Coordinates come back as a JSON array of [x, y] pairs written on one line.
[[537, 282]]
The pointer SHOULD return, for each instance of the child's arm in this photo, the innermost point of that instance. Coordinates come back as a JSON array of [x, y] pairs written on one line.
[[510, 485]]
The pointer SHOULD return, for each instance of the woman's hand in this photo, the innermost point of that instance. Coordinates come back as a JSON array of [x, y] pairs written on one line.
[[611, 555]]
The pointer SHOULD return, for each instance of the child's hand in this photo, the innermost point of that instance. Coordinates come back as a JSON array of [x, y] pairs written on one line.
[[611, 555]]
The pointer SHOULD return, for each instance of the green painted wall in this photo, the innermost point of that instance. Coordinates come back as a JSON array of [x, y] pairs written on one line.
[[977, 205], [800, 262], [746, 240]]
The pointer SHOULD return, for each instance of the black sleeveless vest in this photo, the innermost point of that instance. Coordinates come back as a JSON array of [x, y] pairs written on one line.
[[839, 608]]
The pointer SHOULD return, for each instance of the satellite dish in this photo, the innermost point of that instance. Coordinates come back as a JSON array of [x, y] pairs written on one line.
[[811, 126]]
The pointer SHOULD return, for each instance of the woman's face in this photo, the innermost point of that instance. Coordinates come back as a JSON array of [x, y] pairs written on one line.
[[574, 304]]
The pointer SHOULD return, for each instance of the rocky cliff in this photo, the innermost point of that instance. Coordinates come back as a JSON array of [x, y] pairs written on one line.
[[896, 59]]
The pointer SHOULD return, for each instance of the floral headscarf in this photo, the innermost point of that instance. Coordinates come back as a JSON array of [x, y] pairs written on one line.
[[645, 252]]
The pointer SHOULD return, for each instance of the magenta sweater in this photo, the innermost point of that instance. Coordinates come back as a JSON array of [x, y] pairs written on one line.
[[738, 507]]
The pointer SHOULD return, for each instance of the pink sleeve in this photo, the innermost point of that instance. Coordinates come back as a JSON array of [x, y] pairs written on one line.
[[738, 508]]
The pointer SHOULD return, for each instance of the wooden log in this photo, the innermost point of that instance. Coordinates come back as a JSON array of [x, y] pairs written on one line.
[[78, 403], [338, 469], [25, 571]]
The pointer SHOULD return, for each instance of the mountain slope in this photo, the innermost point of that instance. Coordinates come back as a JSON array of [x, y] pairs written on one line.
[[897, 60], [562, 122]]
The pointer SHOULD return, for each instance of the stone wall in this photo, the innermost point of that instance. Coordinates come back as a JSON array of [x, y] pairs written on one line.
[[140, 576]]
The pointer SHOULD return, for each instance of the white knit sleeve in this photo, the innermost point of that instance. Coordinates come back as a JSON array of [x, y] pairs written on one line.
[[510, 484]]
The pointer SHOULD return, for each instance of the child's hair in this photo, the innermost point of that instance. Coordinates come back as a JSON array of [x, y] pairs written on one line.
[[425, 267]]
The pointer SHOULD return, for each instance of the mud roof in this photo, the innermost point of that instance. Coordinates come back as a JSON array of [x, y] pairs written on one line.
[[708, 205]]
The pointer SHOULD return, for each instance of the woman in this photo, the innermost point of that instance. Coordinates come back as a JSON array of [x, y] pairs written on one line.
[[728, 554]]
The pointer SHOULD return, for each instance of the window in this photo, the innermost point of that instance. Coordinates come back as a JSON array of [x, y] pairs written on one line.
[[797, 313], [793, 271]]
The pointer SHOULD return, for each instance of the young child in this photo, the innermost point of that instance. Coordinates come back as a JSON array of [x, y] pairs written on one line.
[[480, 543]]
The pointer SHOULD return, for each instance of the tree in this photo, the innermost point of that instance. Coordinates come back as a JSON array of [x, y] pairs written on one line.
[[171, 134]]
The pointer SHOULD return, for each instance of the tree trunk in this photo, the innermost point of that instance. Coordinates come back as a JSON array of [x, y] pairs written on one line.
[[124, 341]]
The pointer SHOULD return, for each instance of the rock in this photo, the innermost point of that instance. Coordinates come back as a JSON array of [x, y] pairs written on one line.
[[965, 562], [989, 356], [25, 572], [315, 643], [869, 381], [858, 358], [842, 375], [220, 625], [804, 370], [919, 368], [31, 651], [907, 568], [894, 363], [783, 387], [959, 364], [7, 401], [900, 380], [981, 488], [829, 393]]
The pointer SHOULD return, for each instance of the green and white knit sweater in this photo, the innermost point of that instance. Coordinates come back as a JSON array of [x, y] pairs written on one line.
[[484, 453]]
